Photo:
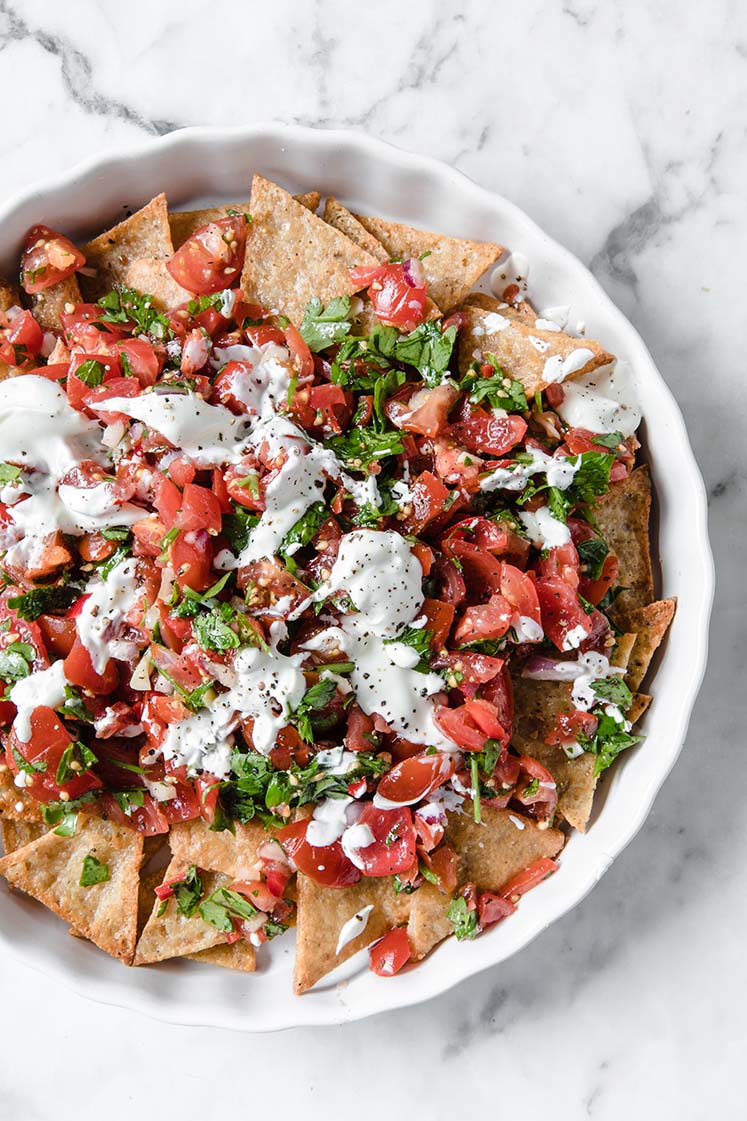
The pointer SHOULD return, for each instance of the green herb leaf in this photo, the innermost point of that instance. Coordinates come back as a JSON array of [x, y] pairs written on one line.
[[592, 554], [317, 697], [362, 446], [304, 529], [324, 326], [237, 527], [90, 372], [9, 473], [45, 600], [126, 305], [16, 661], [75, 753], [213, 633], [93, 872], [609, 740], [462, 919], [223, 905], [499, 390], [188, 892], [614, 691]]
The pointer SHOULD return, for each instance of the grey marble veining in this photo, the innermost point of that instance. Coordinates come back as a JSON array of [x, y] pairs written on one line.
[[621, 129]]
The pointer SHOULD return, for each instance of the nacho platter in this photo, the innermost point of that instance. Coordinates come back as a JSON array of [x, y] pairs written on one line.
[[446, 393]]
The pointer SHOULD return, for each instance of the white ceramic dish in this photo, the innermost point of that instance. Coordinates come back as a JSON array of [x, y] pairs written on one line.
[[217, 164]]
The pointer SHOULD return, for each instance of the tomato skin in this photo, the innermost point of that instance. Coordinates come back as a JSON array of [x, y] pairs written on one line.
[[49, 739], [77, 390], [471, 724], [524, 881], [146, 819], [212, 258], [570, 725], [492, 908], [595, 590], [439, 617], [328, 866], [395, 300], [149, 532], [428, 495], [25, 332], [48, 257], [486, 621], [413, 779], [301, 356], [167, 499], [59, 634], [200, 510], [80, 672], [562, 613], [142, 360], [393, 847], [360, 730], [481, 432], [390, 954]]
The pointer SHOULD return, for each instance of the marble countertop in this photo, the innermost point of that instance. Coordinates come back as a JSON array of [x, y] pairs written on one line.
[[620, 128]]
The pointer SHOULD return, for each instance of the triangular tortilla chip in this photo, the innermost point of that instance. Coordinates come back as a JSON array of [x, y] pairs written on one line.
[[16, 834], [49, 305], [50, 869], [520, 348], [184, 223], [650, 624], [335, 214], [489, 854], [154, 279], [10, 295], [194, 842], [292, 255], [144, 234], [522, 311], [15, 802], [452, 265], [623, 520], [640, 703], [622, 651], [240, 956], [322, 913], [173, 935]]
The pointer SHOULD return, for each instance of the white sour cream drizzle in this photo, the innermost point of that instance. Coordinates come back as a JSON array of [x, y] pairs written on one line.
[[45, 687], [560, 472], [557, 368], [603, 400], [353, 927], [544, 530], [104, 613]]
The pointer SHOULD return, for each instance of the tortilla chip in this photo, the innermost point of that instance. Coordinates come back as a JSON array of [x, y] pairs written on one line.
[[428, 923], [623, 520], [49, 305], [193, 842], [537, 704], [173, 935], [335, 214], [153, 278], [650, 624], [10, 295], [452, 265], [239, 955], [639, 705], [49, 869], [622, 651], [323, 911], [522, 311], [183, 223], [292, 255], [15, 802], [520, 348], [144, 234], [16, 834]]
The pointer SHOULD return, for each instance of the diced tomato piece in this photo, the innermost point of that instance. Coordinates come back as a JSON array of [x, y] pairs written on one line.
[[200, 510], [486, 621], [425, 412], [390, 954], [149, 534], [569, 726], [79, 671], [492, 908], [328, 866], [393, 847], [428, 495], [481, 432], [48, 741], [140, 358], [212, 258], [439, 617], [301, 356], [413, 779], [444, 864], [167, 499], [564, 620], [524, 881], [48, 257], [360, 730], [25, 334], [397, 293], [471, 724]]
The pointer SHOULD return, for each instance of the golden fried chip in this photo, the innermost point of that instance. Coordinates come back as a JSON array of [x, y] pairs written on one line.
[[293, 256], [184, 223], [522, 311], [650, 624], [49, 305], [173, 935], [451, 265], [10, 295], [144, 234], [239, 955], [15, 802], [194, 842], [322, 913], [523, 351], [16, 834], [428, 923], [151, 277], [623, 520], [335, 214], [638, 706], [50, 869]]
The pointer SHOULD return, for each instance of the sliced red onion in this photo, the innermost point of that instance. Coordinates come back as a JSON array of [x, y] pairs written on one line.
[[49, 342], [540, 668], [414, 272]]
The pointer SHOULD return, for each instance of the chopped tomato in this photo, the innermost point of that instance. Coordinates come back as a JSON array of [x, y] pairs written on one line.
[[481, 432], [426, 412], [391, 953], [39, 758], [396, 291], [524, 881], [167, 499], [493, 908], [486, 621], [413, 779], [48, 257], [471, 724], [427, 497], [79, 670], [212, 258], [328, 866], [569, 726], [200, 510], [25, 335], [139, 358], [564, 620], [393, 846], [301, 356]]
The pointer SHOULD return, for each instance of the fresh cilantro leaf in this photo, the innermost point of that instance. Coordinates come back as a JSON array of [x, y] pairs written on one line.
[[592, 554], [9, 473], [237, 527], [116, 533], [90, 372], [614, 691], [427, 348], [76, 758], [213, 632], [402, 888], [16, 660], [74, 707], [611, 440], [383, 388], [499, 390], [188, 892], [592, 477], [462, 919], [272, 929], [324, 326], [474, 767], [126, 305], [558, 504], [362, 446], [317, 697], [369, 515], [45, 600], [56, 813], [609, 740], [94, 871], [222, 906], [304, 529], [119, 556], [421, 641]]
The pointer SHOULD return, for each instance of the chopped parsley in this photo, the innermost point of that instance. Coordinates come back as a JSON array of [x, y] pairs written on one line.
[[16, 661], [45, 600], [9, 473], [94, 871], [126, 305], [90, 372], [499, 390], [462, 918], [316, 698], [614, 691], [222, 906], [324, 326], [609, 740], [592, 554], [361, 447]]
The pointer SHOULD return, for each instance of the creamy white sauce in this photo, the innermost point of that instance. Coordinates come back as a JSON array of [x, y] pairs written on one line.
[[557, 368], [560, 471], [544, 530], [45, 687], [104, 612], [263, 387], [603, 400], [328, 821], [208, 434], [353, 927], [354, 840]]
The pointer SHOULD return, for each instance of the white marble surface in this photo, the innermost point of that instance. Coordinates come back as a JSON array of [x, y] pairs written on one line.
[[620, 128]]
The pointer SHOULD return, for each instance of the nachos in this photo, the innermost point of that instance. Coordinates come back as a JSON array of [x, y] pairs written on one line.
[[327, 592]]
